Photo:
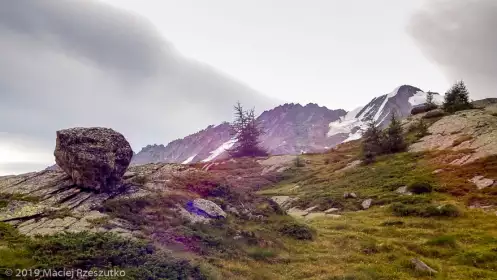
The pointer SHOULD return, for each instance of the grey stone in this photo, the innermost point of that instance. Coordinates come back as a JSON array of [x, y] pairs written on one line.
[[482, 182], [94, 158], [331, 210], [209, 207], [366, 203], [421, 266]]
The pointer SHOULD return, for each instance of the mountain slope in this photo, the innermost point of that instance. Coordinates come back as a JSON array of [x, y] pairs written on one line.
[[399, 102], [291, 129]]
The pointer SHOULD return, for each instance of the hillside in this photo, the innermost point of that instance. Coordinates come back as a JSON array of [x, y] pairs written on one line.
[[428, 213], [291, 129]]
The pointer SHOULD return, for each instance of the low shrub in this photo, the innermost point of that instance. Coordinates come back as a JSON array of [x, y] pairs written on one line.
[[297, 231], [444, 240], [392, 223], [139, 180], [299, 162], [261, 254], [403, 210], [420, 187], [84, 250]]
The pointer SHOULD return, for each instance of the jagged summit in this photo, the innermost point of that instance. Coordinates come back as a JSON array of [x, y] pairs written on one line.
[[399, 102]]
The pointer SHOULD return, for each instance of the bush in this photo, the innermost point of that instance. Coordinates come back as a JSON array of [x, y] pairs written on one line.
[[297, 231], [84, 250], [403, 210], [445, 240], [457, 98], [262, 254], [299, 162], [420, 187]]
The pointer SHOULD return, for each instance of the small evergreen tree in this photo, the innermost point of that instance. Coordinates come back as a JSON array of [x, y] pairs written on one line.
[[457, 98], [393, 141], [247, 131], [372, 142], [429, 98]]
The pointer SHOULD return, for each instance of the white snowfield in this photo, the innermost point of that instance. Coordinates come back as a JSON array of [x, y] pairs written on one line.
[[349, 122], [225, 146], [420, 98], [188, 160]]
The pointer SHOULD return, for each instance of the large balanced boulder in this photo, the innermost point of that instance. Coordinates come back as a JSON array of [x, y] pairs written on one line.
[[95, 158]]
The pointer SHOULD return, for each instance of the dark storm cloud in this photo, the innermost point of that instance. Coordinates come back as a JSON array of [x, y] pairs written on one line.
[[83, 63], [459, 36]]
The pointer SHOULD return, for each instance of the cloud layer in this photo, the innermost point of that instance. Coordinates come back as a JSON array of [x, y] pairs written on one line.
[[459, 36], [84, 63]]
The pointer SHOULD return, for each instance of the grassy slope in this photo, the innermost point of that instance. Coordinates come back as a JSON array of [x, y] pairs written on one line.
[[377, 243]]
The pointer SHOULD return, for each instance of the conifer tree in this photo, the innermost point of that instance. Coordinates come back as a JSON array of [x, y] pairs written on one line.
[[372, 142], [429, 98], [246, 130], [457, 98], [393, 141]]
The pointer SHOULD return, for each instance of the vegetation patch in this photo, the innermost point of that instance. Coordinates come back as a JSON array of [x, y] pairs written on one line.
[[420, 187], [426, 210], [297, 231], [87, 251]]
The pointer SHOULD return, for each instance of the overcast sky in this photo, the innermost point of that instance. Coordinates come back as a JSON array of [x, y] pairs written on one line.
[[159, 70]]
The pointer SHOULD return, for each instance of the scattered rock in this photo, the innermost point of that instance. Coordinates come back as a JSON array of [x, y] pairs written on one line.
[[94, 158], [350, 165], [206, 208], [401, 190], [283, 201], [437, 171], [331, 210], [421, 266], [349, 195], [129, 174], [192, 217], [366, 203], [482, 182], [296, 212], [311, 208]]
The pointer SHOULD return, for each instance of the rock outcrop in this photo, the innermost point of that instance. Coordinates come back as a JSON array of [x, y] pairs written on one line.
[[470, 130], [94, 158], [205, 208]]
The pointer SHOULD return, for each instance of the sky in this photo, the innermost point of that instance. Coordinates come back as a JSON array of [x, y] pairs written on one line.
[[160, 70]]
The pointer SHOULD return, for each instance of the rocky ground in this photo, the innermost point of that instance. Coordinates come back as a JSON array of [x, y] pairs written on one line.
[[428, 213]]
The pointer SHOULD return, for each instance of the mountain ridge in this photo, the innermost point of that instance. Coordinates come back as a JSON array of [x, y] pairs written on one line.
[[291, 128]]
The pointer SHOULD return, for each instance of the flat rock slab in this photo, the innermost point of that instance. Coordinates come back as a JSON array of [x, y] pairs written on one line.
[[482, 182]]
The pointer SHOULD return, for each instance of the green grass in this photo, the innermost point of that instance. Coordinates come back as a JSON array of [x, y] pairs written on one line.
[[434, 226], [139, 259]]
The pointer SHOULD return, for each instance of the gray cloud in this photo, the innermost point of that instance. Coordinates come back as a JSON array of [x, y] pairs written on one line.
[[458, 35], [84, 63]]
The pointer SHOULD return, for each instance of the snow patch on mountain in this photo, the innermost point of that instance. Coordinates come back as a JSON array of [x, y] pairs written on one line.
[[188, 160], [379, 112], [221, 149], [400, 101], [420, 98]]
